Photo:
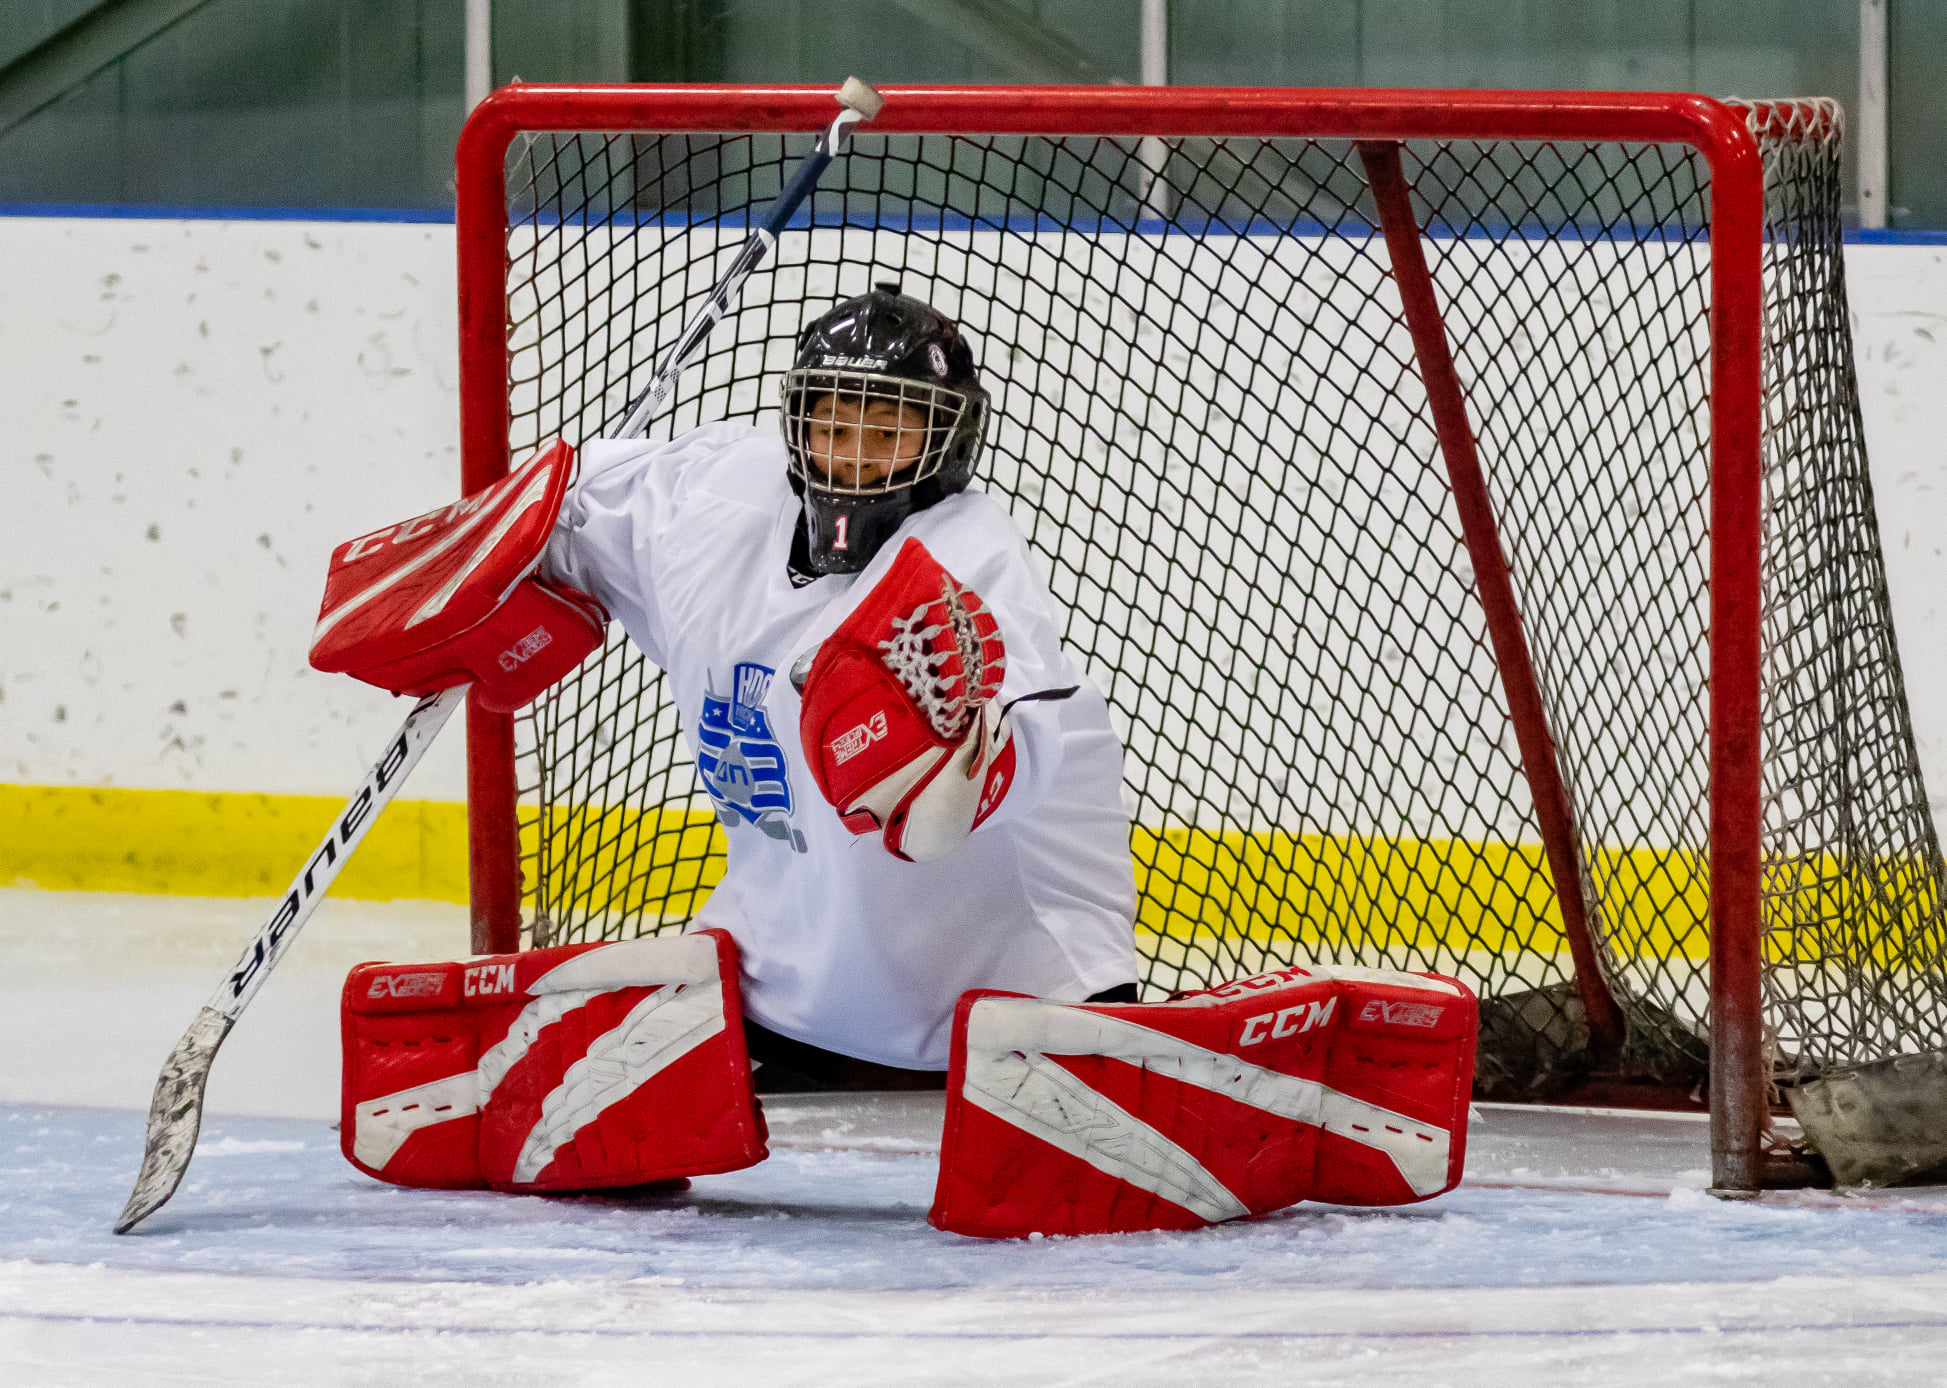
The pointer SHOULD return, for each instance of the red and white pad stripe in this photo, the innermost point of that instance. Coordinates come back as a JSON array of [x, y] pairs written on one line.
[[562, 1069], [1348, 1085]]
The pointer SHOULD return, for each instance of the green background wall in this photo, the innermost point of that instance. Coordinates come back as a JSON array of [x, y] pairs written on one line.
[[356, 103]]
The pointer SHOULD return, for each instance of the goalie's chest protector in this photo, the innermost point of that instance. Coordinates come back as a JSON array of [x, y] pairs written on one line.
[[843, 945]]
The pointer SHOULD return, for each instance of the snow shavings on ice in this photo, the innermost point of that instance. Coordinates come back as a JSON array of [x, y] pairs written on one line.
[[818, 1266], [284, 1202], [237, 1147]]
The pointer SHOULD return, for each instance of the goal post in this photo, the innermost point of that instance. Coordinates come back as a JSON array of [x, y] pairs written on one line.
[[1457, 494], [1447, 403]]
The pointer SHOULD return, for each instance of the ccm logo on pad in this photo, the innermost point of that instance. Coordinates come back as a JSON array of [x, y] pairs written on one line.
[[1289, 1022], [1401, 1014], [405, 986], [849, 744], [524, 649], [485, 980]]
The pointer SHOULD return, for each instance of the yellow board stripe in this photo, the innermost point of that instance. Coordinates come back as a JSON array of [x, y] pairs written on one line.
[[220, 843], [1335, 894]]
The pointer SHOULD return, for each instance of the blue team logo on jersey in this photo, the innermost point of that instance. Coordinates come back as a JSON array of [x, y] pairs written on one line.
[[740, 761]]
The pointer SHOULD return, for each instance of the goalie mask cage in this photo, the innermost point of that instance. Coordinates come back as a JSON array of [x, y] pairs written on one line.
[[1459, 496]]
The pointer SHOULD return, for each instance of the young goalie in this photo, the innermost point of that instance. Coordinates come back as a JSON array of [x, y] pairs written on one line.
[[920, 792], [921, 795]]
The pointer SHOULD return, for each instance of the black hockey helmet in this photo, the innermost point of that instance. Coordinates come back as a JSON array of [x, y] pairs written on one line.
[[881, 348]]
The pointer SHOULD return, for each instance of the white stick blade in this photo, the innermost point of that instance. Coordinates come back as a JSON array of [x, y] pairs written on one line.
[[861, 98], [175, 1117]]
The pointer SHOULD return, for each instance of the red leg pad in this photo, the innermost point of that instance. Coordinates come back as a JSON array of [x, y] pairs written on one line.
[[559, 1069], [1406, 1051], [1346, 1085]]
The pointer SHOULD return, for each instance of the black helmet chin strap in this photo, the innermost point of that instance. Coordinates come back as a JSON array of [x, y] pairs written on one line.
[[797, 565]]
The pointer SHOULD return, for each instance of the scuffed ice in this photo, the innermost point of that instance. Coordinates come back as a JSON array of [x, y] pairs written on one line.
[[273, 1197], [277, 1261]]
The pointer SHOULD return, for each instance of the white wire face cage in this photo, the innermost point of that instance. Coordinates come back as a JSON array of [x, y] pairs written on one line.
[[916, 425]]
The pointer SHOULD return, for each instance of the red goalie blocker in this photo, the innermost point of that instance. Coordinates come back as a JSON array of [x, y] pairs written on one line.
[[558, 1069], [1343, 1085], [448, 598]]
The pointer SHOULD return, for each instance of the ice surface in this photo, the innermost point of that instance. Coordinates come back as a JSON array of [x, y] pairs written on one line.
[[273, 1197], [1581, 1250], [278, 1261]]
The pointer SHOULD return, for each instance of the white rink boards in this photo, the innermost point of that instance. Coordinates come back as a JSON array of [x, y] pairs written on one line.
[[360, 429]]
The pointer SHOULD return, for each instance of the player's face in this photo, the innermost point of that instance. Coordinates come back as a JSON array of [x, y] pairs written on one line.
[[860, 447]]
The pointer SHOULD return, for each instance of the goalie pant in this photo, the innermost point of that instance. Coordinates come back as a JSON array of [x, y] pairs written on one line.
[[1343, 1085], [845, 946], [571, 1068]]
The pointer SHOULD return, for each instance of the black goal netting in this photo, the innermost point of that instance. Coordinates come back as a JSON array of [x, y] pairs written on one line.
[[1209, 423]]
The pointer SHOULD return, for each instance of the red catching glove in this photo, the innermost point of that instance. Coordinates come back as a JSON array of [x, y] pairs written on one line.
[[898, 720]]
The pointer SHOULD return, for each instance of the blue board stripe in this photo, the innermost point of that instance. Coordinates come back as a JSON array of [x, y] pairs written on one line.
[[892, 221], [1861, 237], [177, 213]]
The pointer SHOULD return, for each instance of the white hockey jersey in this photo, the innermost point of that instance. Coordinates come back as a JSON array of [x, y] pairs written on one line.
[[843, 945]]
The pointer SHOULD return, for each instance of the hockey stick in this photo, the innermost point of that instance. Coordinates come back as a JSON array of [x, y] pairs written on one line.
[[176, 1110], [861, 103]]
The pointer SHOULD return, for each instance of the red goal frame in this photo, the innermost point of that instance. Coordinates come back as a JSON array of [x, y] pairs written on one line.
[[1378, 118]]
